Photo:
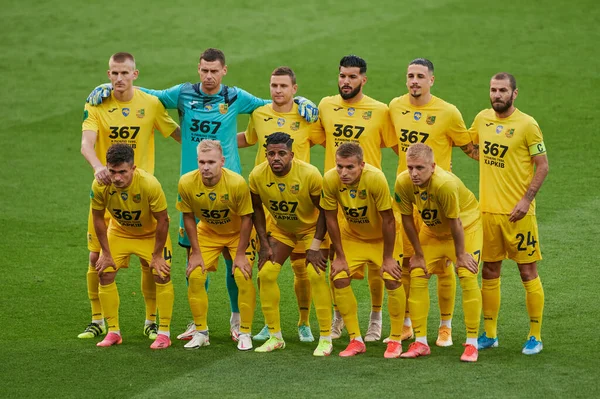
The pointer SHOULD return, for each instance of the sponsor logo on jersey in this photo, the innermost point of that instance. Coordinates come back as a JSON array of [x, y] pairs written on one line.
[[208, 107], [225, 197], [295, 188], [140, 113], [499, 129], [351, 111], [430, 119], [212, 196], [338, 108], [424, 195], [417, 116], [367, 115], [85, 114], [223, 108], [362, 194], [510, 133], [124, 196], [353, 193], [125, 111], [137, 198], [295, 126], [280, 122], [405, 112], [281, 187]]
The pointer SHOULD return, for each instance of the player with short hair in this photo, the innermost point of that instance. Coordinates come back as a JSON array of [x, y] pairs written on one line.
[[220, 200], [513, 166], [282, 116], [419, 116], [450, 229], [128, 116], [353, 117], [139, 226], [289, 189], [365, 236]]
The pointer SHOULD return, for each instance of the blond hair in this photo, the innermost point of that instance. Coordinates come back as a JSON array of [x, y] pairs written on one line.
[[420, 151], [209, 145]]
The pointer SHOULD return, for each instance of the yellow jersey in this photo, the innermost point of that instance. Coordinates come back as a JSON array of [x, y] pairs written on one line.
[[219, 208], [438, 124], [360, 203], [288, 198], [445, 197], [131, 208], [506, 150], [132, 123], [366, 122], [264, 121]]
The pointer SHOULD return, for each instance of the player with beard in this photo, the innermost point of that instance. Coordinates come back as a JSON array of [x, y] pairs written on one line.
[[512, 168], [353, 117]]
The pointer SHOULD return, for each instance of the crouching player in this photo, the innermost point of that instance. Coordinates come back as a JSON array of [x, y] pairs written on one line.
[[451, 230], [364, 236], [139, 226], [290, 190], [220, 199]]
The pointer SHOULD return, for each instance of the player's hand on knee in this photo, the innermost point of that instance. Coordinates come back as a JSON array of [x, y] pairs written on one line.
[[161, 266], [104, 261], [265, 253], [339, 265], [307, 109], [418, 262], [99, 94], [467, 261], [241, 262], [316, 259], [391, 267], [194, 261]]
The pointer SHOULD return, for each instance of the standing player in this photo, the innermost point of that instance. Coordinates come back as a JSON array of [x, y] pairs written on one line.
[[364, 236], [139, 226], [353, 117], [128, 116], [220, 199], [282, 115], [290, 189], [512, 169], [419, 116], [450, 229]]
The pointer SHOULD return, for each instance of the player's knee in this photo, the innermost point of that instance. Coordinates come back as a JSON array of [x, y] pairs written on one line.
[[94, 257], [528, 271], [268, 274], [163, 280], [341, 283], [107, 278], [392, 284], [491, 270]]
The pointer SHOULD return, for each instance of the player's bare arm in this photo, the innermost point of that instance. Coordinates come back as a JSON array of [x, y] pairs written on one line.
[[195, 259], [463, 259], [241, 140], [472, 150], [176, 135], [418, 259], [388, 228], [339, 264], [88, 142], [105, 260], [314, 255], [158, 261], [258, 217], [241, 261], [541, 171]]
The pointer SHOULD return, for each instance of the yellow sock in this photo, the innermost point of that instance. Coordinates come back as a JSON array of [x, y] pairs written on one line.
[[109, 299], [92, 286], [149, 292], [165, 296], [406, 285], [418, 301], [446, 290], [349, 309], [376, 287], [490, 301], [396, 308], [269, 295], [246, 301], [534, 298], [197, 298], [321, 298], [302, 290], [471, 298]]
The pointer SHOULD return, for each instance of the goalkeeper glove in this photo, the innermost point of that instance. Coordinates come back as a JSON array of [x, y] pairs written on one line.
[[99, 94], [307, 109]]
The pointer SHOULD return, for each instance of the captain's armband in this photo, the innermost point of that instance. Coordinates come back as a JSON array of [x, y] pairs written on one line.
[[537, 149]]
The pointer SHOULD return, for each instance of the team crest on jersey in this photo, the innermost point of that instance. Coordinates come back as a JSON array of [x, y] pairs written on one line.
[[280, 122], [212, 196], [362, 194], [510, 133], [137, 198], [225, 198], [140, 113], [417, 116], [295, 188], [367, 115], [430, 119], [499, 129], [424, 195], [124, 196], [125, 111], [352, 193], [223, 108], [351, 111], [208, 107], [281, 187], [295, 126]]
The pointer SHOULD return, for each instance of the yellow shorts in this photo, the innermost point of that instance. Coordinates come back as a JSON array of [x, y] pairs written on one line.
[[92, 239], [436, 249], [121, 249], [505, 240], [212, 245], [360, 254], [406, 245], [296, 240]]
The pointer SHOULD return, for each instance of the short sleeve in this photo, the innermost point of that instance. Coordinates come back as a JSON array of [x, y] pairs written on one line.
[[248, 102], [97, 197], [168, 97], [251, 136], [243, 200], [157, 199], [90, 118], [163, 121], [328, 200], [183, 201], [449, 200], [403, 196], [381, 193], [457, 130], [388, 134]]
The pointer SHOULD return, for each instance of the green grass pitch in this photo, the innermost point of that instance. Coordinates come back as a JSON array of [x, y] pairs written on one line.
[[53, 53]]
